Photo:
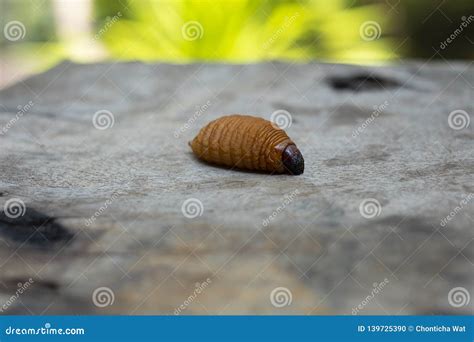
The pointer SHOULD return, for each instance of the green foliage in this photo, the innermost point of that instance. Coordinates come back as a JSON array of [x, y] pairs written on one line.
[[244, 31], [36, 18]]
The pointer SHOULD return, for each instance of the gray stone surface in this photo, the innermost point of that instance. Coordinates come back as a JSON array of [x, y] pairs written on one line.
[[137, 174]]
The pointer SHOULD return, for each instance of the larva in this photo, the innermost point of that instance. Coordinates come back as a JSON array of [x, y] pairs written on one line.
[[248, 142]]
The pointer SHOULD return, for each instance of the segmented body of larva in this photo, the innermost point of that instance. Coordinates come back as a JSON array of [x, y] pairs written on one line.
[[248, 142]]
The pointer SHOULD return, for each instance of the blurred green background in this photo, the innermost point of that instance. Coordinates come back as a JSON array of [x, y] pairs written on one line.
[[39, 33]]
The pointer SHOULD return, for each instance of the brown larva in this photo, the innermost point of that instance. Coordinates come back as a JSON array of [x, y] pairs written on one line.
[[248, 142]]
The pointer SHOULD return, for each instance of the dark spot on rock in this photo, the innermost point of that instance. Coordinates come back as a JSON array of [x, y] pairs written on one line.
[[336, 162], [12, 284], [362, 82], [439, 170], [45, 285], [411, 224], [349, 115], [3, 193], [465, 136], [296, 109], [34, 228], [370, 155], [226, 96], [468, 189]]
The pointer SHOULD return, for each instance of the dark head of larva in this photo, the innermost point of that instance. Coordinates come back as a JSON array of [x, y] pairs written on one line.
[[293, 160]]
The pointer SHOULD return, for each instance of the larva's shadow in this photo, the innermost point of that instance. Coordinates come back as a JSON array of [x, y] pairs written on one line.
[[233, 169]]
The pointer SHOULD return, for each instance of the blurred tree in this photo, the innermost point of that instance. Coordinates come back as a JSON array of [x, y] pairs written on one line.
[[28, 41], [244, 30], [429, 23], [421, 26], [38, 20], [358, 31]]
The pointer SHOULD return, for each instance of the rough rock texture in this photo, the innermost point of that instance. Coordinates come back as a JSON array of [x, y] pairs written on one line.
[[104, 207]]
